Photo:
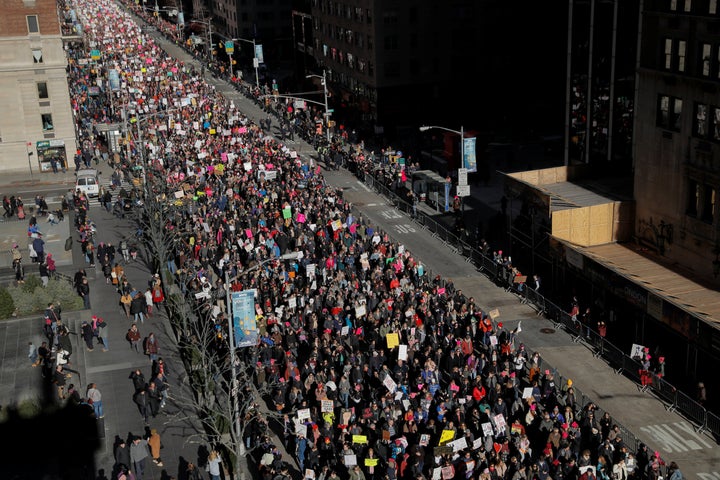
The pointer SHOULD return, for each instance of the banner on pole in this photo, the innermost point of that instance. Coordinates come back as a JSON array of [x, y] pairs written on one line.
[[243, 316], [470, 161]]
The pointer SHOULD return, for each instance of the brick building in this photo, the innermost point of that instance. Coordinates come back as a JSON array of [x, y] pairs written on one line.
[[37, 120]]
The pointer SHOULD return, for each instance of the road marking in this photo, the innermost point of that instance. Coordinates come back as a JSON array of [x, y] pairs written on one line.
[[676, 437], [364, 187], [390, 214], [372, 204], [709, 476], [404, 228]]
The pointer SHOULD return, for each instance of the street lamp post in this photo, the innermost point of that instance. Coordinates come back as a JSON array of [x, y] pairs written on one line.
[[231, 343], [256, 62], [325, 94]]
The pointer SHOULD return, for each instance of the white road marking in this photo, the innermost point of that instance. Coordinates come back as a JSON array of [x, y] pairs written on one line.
[[365, 187]]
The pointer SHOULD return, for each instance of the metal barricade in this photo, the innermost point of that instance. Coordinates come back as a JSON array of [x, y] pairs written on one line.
[[691, 409], [666, 392], [712, 423], [614, 356]]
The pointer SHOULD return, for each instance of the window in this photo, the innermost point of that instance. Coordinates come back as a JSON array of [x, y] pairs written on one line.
[[42, 90], [712, 7], [391, 42], [669, 113], [32, 24], [47, 122], [37, 55], [668, 53], [688, 6], [682, 47], [701, 120], [705, 59], [708, 205], [693, 201], [673, 5], [716, 124]]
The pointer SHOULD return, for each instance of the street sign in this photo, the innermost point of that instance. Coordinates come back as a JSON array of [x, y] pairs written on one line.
[[229, 47], [462, 176], [463, 190]]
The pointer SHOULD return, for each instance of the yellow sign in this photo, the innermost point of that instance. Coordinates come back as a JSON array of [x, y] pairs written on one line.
[[371, 462], [393, 340], [362, 439], [446, 436]]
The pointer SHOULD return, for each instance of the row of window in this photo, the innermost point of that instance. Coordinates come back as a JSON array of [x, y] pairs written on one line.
[[702, 201], [688, 6], [339, 9], [706, 121], [675, 54], [345, 58]]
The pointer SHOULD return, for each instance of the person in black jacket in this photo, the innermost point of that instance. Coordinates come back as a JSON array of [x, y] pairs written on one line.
[[138, 306], [83, 289]]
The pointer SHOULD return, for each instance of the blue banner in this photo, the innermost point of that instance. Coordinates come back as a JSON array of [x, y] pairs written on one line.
[[114, 80], [243, 317], [447, 196], [259, 54], [469, 162]]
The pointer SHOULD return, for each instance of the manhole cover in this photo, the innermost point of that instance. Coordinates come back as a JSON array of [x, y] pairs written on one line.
[[547, 331]]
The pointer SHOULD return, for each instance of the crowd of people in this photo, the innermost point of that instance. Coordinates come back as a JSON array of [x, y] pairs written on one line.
[[379, 370]]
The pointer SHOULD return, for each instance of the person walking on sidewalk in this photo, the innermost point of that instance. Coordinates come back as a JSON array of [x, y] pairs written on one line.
[[133, 336], [87, 335], [84, 291], [155, 444], [141, 400], [122, 454], [138, 455], [103, 334], [138, 307], [95, 399], [152, 349]]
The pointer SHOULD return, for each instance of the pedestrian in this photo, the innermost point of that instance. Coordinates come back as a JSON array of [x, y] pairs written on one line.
[[125, 303], [103, 334], [95, 399], [193, 472], [149, 302], [138, 455], [133, 336], [84, 291], [19, 271], [43, 354], [122, 454], [138, 307], [153, 398], [38, 245], [59, 379], [32, 353], [155, 444], [44, 274], [213, 465], [141, 400], [138, 380], [50, 261], [87, 335], [152, 348]]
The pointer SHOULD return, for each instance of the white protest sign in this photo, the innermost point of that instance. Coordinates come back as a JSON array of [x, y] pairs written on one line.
[[459, 444], [403, 352], [303, 414], [390, 383], [527, 392], [326, 406], [487, 429]]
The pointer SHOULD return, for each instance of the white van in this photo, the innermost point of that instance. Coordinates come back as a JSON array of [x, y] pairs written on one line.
[[87, 182]]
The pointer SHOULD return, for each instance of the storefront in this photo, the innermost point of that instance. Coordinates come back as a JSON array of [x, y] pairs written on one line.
[[48, 150]]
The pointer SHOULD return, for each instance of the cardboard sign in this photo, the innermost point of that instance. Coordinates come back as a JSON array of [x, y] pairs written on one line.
[[350, 460], [327, 406], [446, 436], [303, 414], [360, 310], [393, 340], [390, 383], [403, 353], [494, 313], [442, 450], [459, 444]]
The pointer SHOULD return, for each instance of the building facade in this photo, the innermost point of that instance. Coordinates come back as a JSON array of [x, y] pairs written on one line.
[[37, 120], [383, 56], [677, 167]]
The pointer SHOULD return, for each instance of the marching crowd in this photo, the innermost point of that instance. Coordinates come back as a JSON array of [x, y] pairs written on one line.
[[379, 370]]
